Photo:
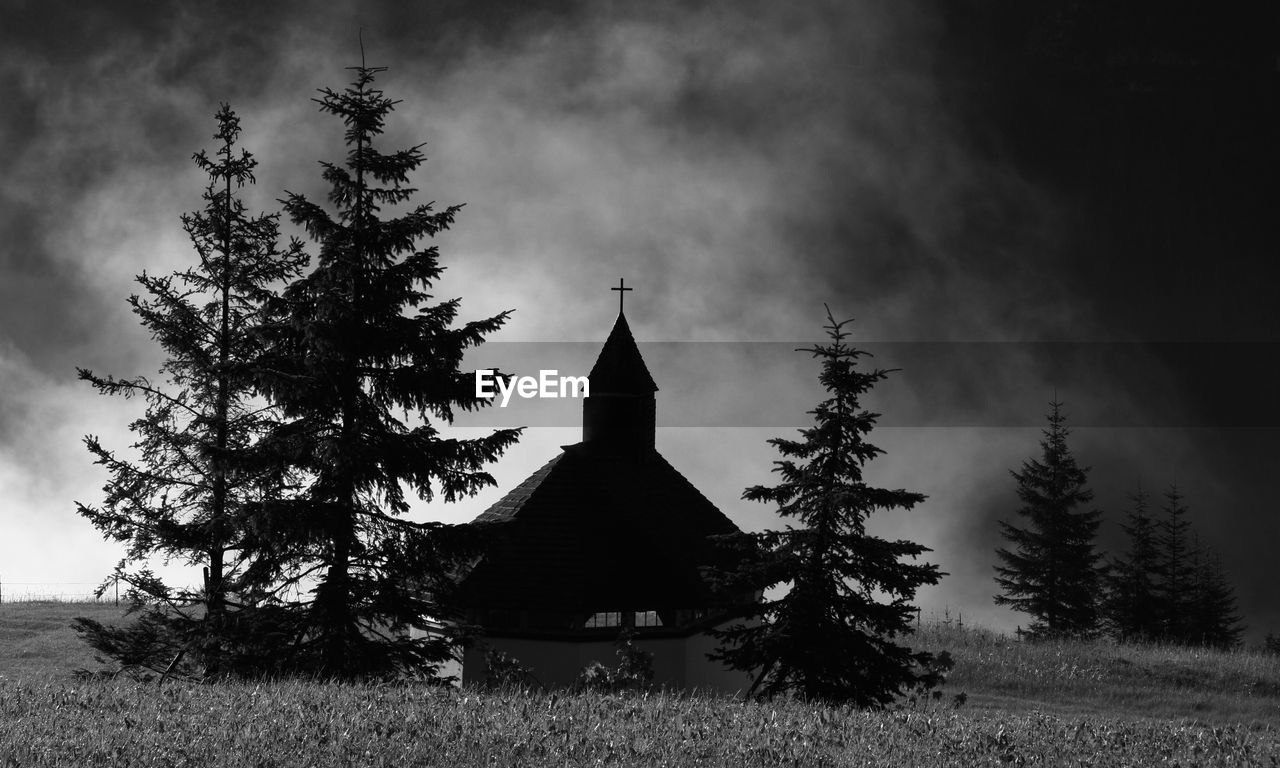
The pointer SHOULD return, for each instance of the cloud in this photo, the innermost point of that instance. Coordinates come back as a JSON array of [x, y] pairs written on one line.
[[44, 469]]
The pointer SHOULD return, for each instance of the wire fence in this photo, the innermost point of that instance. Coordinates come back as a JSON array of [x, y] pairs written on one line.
[[56, 592]]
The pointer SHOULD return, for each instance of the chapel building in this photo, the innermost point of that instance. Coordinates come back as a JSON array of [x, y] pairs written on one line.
[[607, 535]]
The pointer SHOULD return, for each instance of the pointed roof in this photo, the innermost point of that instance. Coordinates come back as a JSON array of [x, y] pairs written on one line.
[[598, 528], [620, 369], [593, 531]]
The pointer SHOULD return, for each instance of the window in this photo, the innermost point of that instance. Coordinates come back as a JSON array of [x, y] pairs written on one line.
[[648, 619], [605, 619]]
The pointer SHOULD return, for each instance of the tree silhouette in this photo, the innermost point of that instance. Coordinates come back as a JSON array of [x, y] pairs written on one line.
[[1177, 576], [831, 637], [188, 494], [1051, 570], [364, 367], [1132, 607], [1166, 587], [1212, 619]]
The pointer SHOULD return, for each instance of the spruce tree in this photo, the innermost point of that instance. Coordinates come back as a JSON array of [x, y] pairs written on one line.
[[1177, 575], [1131, 606], [365, 368], [1050, 570], [832, 635], [1212, 620], [187, 494]]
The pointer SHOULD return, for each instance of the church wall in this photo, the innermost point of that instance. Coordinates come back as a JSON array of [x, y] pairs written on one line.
[[678, 662], [704, 675]]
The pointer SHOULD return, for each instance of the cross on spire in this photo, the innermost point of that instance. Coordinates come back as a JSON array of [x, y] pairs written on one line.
[[622, 286]]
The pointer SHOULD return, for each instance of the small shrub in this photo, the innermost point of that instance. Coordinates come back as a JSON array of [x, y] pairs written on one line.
[[594, 677], [633, 673], [934, 674], [505, 671]]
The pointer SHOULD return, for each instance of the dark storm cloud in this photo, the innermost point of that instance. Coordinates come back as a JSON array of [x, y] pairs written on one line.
[[90, 92]]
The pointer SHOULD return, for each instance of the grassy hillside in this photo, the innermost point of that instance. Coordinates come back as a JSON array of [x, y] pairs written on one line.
[[1142, 681], [37, 642], [1054, 704]]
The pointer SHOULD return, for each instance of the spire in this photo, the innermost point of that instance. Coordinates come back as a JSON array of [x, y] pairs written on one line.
[[620, 369], [621, 411]]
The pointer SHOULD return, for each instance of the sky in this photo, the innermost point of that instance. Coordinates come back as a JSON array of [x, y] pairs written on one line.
[[1015, 202]]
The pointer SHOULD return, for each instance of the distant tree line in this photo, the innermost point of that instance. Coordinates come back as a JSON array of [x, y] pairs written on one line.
[[1164, 587]]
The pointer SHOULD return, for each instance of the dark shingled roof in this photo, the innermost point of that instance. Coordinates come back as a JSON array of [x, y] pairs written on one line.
[[620, 368], [597, 530], [506, 507]]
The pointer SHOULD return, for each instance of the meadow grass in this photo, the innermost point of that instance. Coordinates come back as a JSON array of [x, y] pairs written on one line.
[[1028, 704], [1135, 680], [37, 642], [307, 723]]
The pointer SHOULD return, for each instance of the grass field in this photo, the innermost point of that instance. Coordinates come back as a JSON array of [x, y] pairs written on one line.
[[1137, 681], [37, 643], [1043, 704]]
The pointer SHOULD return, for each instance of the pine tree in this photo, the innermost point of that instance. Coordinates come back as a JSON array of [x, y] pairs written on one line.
[[831, 637], [187, 495], [1131, 605], [1177, 576], [1051, 570], [362, 365], [1212, 620]]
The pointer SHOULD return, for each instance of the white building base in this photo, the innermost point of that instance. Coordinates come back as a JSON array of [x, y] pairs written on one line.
[[679, 663]]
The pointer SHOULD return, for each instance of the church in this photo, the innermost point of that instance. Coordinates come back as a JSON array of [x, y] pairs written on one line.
[[606, 535]]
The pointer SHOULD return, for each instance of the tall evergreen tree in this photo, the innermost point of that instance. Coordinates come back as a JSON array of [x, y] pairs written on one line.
[[832, 635], [187, 495], [1051, 571], [365, 368], [1131, 606], [1212, 619], [1177, 576]]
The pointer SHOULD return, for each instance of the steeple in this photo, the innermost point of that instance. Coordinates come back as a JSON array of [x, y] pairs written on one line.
[[621, 411]]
